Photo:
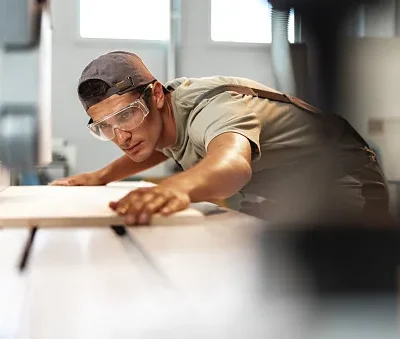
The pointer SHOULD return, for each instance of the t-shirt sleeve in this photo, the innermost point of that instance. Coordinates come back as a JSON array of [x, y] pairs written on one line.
[[225, 113]]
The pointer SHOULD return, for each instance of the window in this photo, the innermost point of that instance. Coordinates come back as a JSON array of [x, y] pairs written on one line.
[[125, 19], [244, 21]]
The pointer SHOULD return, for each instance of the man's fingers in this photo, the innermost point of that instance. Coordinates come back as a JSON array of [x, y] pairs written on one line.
[[121, 206], [136, 204], [130, 204], [66, 182], [174, 205], [140, 205], [140, 208], [150, 208], [147, 197], [155, 205], [130, 219], [59, 182]]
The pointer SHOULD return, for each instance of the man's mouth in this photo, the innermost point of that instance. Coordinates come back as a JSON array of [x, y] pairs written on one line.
[[132, 147]]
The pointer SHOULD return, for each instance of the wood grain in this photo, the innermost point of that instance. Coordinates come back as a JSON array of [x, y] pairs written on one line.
[[55, 206]]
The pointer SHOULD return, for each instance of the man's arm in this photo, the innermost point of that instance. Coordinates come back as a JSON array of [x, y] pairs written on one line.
[[229, 130], [223, 172], [117, 170], [124, 167]]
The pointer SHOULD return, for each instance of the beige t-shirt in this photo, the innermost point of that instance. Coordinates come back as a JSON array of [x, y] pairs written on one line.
[[280, 134]]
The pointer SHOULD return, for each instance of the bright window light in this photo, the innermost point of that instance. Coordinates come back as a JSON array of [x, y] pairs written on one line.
[[244, 21], [125, 19]]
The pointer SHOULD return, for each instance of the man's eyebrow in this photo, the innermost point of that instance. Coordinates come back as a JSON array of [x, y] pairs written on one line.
[[117, 108]]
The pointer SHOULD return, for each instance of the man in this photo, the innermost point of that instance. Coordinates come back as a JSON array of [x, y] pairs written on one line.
[[269, 155]]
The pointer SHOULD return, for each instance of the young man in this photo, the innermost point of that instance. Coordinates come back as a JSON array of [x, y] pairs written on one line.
[[270, 155]]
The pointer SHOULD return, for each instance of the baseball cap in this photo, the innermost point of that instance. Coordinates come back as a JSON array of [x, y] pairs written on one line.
[[122, 71]]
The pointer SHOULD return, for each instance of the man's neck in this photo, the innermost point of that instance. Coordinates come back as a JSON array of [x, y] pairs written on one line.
[[168, 138]]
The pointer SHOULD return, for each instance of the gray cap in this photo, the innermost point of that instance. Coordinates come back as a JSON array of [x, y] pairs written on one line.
[[122, 71]]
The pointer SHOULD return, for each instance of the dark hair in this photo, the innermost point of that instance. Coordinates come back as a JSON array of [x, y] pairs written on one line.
[[93, 88]]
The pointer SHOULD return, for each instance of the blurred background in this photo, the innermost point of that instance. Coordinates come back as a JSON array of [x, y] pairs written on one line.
[[198, 38], [203, 38]]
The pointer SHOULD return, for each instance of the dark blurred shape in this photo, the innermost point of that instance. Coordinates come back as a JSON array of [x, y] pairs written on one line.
[[20, 23], [345, 274], [323, 20], [25, 130], [19, 136], [351, 261]]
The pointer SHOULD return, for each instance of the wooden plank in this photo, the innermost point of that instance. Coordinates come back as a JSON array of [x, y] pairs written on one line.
[[57, 206]]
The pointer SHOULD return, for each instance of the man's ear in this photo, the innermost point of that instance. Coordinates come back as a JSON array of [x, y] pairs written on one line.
[[158, 95]]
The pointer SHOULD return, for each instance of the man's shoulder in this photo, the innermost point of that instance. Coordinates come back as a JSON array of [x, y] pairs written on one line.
[[205, 83], [188, 90], [185, 86]]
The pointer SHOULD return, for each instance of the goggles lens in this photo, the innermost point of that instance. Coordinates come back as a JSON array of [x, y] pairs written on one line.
[[126, 119]]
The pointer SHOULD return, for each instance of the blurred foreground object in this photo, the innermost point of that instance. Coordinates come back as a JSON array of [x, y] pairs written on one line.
[[348, 273], [25, 129], [323, 23]]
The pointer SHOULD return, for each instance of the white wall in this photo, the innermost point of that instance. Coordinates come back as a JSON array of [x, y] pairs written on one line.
[[197, 56], [19, 77], [200, 56], [70, 55]]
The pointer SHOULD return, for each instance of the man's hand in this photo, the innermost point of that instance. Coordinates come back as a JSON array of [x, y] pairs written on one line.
[[83, 179], [139, 205]]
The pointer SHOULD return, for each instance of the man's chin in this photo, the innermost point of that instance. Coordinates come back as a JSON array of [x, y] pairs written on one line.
[[138, 157]]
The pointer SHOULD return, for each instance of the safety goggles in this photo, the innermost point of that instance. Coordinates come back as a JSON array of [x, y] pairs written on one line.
[[126, 119]]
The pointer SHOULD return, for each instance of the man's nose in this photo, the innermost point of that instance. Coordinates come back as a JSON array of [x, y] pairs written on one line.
[[122, 136]]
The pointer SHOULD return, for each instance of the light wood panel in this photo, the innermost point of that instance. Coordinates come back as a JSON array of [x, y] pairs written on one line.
[[55, 206]]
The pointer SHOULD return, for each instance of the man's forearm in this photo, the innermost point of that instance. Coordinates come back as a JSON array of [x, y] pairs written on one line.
[[124, 167], [215, 177]]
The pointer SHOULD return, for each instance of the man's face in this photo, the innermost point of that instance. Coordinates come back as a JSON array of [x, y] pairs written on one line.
[[140, 142]]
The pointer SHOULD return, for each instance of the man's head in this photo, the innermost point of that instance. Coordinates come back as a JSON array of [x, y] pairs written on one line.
[[125, 103]]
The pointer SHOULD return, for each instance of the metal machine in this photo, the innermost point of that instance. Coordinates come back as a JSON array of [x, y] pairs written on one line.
[[25, 130]]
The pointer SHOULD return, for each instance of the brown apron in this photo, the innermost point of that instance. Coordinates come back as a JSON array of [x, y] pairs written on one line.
[[361, 179]]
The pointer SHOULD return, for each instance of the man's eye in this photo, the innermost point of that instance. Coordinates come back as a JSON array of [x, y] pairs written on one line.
[[126, 115], [104, 126]]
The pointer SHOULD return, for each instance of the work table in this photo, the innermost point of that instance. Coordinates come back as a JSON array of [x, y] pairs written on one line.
[[154, 281], [204, 278]]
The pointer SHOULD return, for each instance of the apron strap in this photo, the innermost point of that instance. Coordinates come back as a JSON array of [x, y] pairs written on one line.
[[329, 120], [256, 92]]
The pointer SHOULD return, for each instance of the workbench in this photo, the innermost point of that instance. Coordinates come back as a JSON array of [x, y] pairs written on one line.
[[202, 279], [157, 281], [92, 283]]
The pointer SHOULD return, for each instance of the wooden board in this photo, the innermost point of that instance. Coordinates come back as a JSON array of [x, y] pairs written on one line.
[[54, 206]]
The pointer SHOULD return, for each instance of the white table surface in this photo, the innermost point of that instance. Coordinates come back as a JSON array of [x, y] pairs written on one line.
[[195, 281], [158, 282]]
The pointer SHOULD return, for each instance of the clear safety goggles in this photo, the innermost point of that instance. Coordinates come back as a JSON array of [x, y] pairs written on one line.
[[126, 119]]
